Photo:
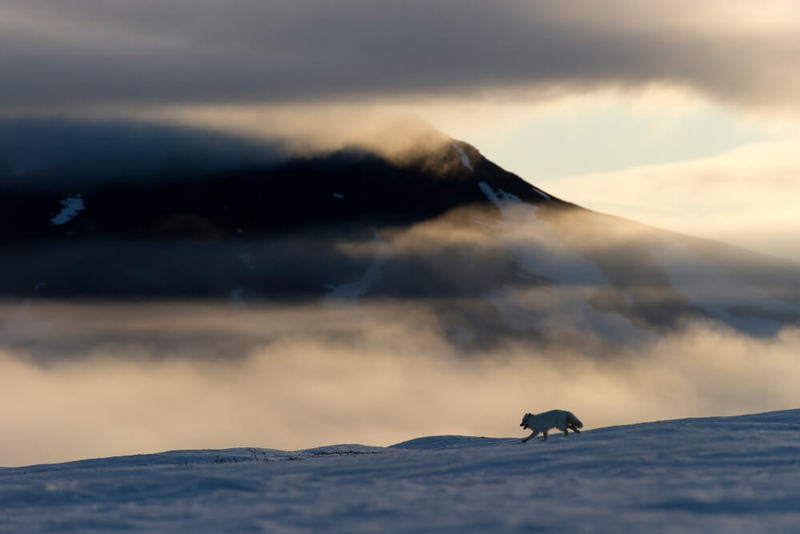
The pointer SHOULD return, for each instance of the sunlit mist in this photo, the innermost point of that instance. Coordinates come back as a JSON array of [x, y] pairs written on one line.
[[374, 374], [648, 138]]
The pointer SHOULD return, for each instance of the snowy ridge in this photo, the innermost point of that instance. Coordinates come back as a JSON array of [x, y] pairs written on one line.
[[499, 198], [545, 195], [464, 157], [731, 474], [449, 442]]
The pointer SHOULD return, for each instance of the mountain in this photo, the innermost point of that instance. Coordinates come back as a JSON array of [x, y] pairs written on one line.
[[345, 187], [714, 474], [496, 256]]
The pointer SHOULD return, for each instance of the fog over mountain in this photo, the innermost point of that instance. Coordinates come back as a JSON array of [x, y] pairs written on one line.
[[147, 265], [131, 210], [319, 252]]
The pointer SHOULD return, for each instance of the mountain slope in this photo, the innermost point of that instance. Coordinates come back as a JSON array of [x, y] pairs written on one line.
[[731, 474], [292, 194], [497, 257]]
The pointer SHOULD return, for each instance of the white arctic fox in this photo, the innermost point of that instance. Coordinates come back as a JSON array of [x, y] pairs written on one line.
[[542, 422]]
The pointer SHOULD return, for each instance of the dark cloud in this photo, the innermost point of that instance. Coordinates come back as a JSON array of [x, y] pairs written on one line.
[[50, 149], [82, 53]]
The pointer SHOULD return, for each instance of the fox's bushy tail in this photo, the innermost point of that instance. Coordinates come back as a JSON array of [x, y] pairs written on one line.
[[574, 420]]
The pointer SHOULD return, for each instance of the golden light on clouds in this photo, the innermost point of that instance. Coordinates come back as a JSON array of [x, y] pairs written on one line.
[[746, 196], [395, 380], [675, 159], [683, 115]]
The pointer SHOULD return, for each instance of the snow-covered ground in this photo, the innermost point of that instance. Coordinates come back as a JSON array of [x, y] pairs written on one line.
[[720, 474]]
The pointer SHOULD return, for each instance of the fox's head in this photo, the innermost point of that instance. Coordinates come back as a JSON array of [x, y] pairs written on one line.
[[526, 420]]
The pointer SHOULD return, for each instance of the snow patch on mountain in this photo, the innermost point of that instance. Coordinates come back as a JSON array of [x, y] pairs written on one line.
[[536, 247], [360, 287], [500, 198], [545, 195], [72, 206], [464, 157]]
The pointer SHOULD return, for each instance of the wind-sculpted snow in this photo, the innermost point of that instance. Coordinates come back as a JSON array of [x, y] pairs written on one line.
[[719, 474]]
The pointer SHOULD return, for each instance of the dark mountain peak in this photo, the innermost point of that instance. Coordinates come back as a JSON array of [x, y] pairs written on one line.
[[432, 220], [350, 186]]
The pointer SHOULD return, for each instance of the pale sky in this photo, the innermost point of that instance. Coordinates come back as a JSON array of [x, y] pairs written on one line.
[[696, 166], [682, 114]]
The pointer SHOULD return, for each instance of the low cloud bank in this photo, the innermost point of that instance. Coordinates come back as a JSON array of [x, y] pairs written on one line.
[[373, 374], [187, 143], [48, 149]]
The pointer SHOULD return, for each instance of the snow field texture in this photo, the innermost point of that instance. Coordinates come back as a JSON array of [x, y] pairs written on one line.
[[720, 474]]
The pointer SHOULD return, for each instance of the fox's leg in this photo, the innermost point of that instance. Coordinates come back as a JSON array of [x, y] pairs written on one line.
[[533, 434], [545, 435], [566, 432]]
